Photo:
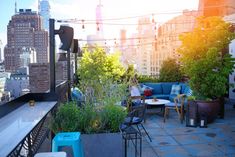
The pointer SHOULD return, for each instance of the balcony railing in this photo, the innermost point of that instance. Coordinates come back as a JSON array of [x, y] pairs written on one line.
[[33, 127]]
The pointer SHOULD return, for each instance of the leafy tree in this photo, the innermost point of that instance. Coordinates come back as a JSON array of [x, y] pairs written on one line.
[[99, 65], [170, 71], [97, 70], [129, 73], [204, 58]]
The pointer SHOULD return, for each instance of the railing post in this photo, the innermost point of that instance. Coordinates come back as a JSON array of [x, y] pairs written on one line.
[[52, 54], [69, 75]]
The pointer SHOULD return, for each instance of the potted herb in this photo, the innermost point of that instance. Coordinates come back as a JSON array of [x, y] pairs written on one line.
[[206, 62]]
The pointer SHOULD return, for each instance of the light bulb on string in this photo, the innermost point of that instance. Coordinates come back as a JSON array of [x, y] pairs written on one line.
[[153, 21], [83, 26], [97, 26]]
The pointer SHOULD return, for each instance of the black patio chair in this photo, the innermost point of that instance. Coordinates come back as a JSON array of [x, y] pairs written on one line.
[[130, 133], [139, 110]]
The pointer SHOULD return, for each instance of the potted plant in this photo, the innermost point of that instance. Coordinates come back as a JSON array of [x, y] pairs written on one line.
[[206, 62]]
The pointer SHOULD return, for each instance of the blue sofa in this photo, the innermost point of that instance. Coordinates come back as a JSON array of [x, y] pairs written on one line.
[[163, 90]]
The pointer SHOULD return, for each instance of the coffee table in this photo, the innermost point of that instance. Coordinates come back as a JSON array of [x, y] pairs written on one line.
[[159, 103]]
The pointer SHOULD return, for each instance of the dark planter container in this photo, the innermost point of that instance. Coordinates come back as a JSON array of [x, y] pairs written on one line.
[[103, 145], [209, 108]]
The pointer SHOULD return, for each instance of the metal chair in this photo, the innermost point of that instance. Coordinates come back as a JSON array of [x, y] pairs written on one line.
[[130, 133], [139, 111]]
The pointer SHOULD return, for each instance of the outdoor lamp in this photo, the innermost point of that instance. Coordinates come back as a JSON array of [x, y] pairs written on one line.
[[191, 114], [203, 121], [66, 37]]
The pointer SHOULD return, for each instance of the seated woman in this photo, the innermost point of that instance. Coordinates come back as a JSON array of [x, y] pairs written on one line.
[[135, 91]]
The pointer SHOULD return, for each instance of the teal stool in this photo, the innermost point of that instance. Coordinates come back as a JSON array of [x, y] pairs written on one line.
[[68, 139]]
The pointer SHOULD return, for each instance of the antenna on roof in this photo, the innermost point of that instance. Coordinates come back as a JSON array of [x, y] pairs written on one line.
[[38, 6], [15, 7]]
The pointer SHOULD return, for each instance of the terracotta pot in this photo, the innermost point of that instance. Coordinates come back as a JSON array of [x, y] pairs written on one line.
[[209, 108]]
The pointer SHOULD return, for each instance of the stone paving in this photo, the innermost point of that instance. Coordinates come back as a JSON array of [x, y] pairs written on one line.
[[173, 139]]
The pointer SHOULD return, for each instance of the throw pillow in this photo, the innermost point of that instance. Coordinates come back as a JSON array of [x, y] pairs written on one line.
[[175, 89], [148, 92], [144, 87], [188, 91]]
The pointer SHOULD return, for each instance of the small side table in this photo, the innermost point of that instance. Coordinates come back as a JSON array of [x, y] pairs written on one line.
[[131, 133]]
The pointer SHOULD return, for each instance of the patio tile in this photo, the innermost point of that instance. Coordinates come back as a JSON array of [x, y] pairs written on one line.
[[171, 151], [151, 124], [157, 132], [230, 155], [145, 143], [227, 147], [214, 137], [180, 131], [149, 152], [171, 124], [146, 152], [163, 141], [203, 150], [188, 139]]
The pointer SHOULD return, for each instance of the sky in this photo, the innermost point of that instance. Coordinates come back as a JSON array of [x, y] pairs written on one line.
[[162, 10]]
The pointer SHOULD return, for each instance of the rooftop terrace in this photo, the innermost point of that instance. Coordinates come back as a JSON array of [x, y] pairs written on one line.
[[173, 139]]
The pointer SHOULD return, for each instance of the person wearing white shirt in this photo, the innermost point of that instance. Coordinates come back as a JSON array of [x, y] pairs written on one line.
[[135, 90]]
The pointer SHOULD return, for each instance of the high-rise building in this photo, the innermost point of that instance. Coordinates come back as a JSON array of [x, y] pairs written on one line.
[[44, 11], [39, 76], [27, 56], [122, 38], [216, 7], [168, 36], [61, 68], [145, 46], [18, 82], [25, 30], [0, 50], [99, 20]]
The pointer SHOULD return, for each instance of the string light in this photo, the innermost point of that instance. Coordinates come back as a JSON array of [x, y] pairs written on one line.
[[153, 22], [156, 13]]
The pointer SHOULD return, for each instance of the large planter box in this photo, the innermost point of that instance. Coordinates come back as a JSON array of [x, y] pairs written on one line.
[[103, 145]]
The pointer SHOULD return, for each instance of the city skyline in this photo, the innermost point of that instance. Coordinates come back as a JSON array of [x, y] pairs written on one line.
[[87, 10]]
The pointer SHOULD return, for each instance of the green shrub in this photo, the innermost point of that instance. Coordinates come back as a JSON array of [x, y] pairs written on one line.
[[88, 121], [146, 78], [66, 118], [88, 118], [112, 116]]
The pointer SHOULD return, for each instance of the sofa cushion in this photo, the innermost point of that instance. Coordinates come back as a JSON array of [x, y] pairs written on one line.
[[157, 87], [166, 87], [175, 89]]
